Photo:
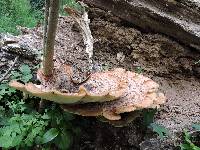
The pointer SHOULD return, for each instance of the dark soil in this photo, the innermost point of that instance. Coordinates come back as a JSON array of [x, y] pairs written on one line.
[[119, 44]]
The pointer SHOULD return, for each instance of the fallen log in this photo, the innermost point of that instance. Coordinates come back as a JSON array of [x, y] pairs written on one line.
[[179, 19]]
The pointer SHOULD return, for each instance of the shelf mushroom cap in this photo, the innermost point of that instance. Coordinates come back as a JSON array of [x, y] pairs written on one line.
[[51, 95], [140, 93], [105, 86], [100, 87], [107, 94]]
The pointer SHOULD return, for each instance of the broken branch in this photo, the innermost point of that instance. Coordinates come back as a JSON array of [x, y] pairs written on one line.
[[11, 67]]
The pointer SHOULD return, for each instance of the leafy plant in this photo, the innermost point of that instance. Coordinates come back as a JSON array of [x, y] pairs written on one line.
[[188, 145], [188, 139], [20, 128], [70, 3], [5, 90], [196, 127], [148, 115], [17, 12], [24, 74], [25, 127], [160, 130], [50, 135], [23, 130], [139, 69], [62, 121]]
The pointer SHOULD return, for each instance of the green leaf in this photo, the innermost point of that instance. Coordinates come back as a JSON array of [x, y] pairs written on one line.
[[50, 135], [185, 147], [25, 69], [45, 117], [32, 135], [196, 148], [64, 141], [5, 89], [68, 116], [17, 140], [6, 142], [11, 90], [196, 127], [15, 75], [160, 130], [139, 69], [3, 86], [26, 78], [188, 145], [148, 116], [187, 137]]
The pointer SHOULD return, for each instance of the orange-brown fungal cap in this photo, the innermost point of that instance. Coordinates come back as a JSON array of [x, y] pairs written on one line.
[[87, 109], [140, 93], [53, 95], [105, 86], [100, 87], [112, 92]]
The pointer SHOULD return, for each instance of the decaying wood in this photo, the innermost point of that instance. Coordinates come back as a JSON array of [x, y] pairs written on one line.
[[8, 71], [81, 17], [83, 21], [177, 19]]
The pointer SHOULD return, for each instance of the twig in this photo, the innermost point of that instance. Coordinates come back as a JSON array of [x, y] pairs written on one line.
[[11, 67], [51, 21], [47, 7], [48, 63]]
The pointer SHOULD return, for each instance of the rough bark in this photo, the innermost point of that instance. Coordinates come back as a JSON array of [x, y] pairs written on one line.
[[50, 40], [179, 19]]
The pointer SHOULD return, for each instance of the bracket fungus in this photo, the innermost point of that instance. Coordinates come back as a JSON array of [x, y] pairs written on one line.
[[60, 88], [140, 92], [107, 94]]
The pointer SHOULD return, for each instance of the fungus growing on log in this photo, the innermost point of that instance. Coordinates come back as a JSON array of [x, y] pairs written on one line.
[[107, 94], [100, 87], [140, 93]]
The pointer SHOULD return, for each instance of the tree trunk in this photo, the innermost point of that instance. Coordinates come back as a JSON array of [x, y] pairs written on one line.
[[179, 19], [50, 40]]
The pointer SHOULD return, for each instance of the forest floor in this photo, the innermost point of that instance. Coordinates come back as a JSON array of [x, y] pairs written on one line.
[[119, 44]]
